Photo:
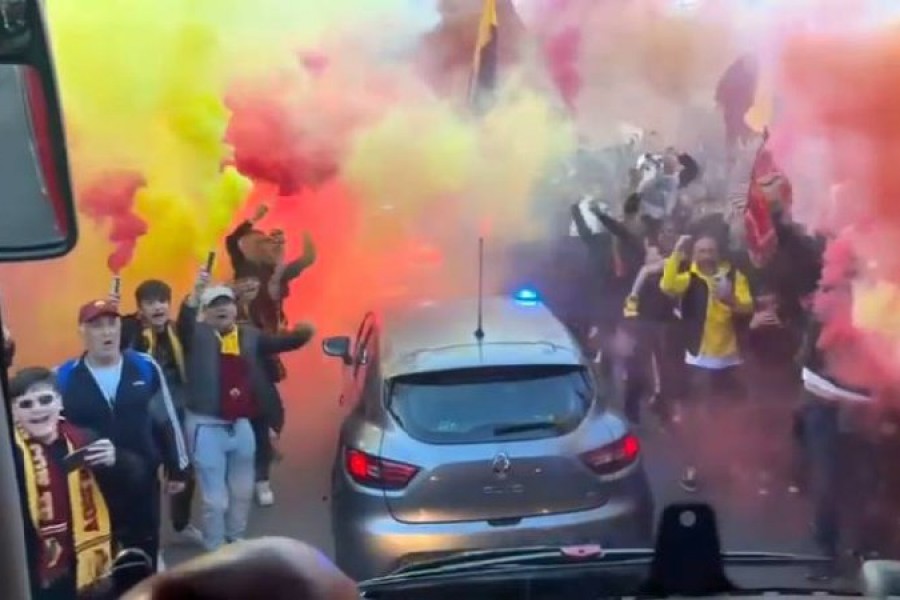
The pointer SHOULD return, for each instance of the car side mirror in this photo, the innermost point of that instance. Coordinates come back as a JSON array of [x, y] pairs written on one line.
[[339, 347], [39, 211]]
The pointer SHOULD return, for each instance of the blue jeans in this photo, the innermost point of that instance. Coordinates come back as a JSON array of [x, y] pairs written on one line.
[[224, 464], [822, 440], [844, 479]]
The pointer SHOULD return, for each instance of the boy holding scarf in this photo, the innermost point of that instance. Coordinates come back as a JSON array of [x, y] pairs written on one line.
[[68, 531], [151, 330]]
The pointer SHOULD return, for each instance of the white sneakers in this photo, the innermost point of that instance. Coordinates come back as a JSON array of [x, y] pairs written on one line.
[[264, 494]]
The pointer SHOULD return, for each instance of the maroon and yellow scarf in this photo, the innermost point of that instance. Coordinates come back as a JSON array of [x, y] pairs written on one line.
[[90, 521]]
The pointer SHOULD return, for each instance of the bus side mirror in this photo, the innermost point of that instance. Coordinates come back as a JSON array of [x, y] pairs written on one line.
[[38, 207]]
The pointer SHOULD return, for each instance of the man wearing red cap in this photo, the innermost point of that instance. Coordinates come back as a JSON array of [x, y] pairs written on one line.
[[123, 396]]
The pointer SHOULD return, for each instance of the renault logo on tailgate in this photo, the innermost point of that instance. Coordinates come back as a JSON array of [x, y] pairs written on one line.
[[501, 464]]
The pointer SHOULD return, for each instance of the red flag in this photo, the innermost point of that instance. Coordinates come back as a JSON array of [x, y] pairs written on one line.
[[762, 240]]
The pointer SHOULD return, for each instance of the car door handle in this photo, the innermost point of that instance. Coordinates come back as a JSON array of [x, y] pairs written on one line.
[[341, 400]]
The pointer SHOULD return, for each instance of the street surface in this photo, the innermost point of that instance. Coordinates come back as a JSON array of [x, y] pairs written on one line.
[[748, 518]]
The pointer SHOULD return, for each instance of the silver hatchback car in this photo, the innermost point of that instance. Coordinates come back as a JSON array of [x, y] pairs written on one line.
[[456, 441]]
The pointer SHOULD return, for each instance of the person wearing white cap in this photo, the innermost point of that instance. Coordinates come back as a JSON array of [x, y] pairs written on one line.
[[228, 387]]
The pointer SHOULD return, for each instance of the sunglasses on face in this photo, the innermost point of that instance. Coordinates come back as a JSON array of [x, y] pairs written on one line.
[[29, 402]]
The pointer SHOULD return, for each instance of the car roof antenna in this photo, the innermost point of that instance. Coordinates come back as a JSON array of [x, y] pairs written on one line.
[[479, 332]]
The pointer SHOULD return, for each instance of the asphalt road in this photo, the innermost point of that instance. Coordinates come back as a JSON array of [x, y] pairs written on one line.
[[753, 514]]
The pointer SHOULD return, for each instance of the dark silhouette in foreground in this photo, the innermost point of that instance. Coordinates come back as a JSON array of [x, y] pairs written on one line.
[[274, 568]]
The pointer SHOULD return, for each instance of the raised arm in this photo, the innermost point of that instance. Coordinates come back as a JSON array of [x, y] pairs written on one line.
[[233, 239], [674, 282], [743, 300], [189, 311], [618, 230], [287, 272], [584, 232], [294, 268], [285, 342]]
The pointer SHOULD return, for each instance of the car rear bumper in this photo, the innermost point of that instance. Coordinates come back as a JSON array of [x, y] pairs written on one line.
[[374, 544]]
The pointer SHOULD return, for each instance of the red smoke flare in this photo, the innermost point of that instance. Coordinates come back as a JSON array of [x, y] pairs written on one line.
[[112, 198], [838, 93]]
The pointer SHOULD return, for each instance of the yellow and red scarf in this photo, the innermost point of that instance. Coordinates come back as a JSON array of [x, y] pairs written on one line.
[[90, 522], [177, 349]]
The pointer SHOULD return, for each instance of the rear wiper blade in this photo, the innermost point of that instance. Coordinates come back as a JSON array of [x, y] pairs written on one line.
[[508, 429], [483, 560]]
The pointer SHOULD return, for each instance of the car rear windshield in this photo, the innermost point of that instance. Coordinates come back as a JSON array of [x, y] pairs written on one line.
[[491, 403]]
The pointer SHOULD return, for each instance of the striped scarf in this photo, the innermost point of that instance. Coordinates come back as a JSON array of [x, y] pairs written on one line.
[[90, 522]]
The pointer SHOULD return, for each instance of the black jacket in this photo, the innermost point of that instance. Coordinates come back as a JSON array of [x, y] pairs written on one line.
[[141, 420], [607, 289], [133, 338]]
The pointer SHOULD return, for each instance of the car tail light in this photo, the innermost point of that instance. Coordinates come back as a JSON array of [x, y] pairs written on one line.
[[613, 457], [377, 472]]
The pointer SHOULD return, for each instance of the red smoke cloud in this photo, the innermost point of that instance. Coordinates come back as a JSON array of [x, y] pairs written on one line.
[[560, 37], [562, 51], [839, 100], [267, 133], [110, 200]]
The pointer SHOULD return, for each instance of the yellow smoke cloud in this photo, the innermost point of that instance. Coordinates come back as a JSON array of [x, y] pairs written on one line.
[[432, 163], [144, 85]]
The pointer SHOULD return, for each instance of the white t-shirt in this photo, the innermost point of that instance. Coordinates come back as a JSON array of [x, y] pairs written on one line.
[[107, 379]]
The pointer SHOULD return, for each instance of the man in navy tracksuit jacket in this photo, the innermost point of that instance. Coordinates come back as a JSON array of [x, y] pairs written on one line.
[[123, 396]]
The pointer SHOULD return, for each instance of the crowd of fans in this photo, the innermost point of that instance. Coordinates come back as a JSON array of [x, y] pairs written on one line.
[[671, 305], [156, 402]]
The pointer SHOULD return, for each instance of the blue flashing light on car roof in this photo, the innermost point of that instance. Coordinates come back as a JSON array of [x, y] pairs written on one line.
[[527, 297]]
